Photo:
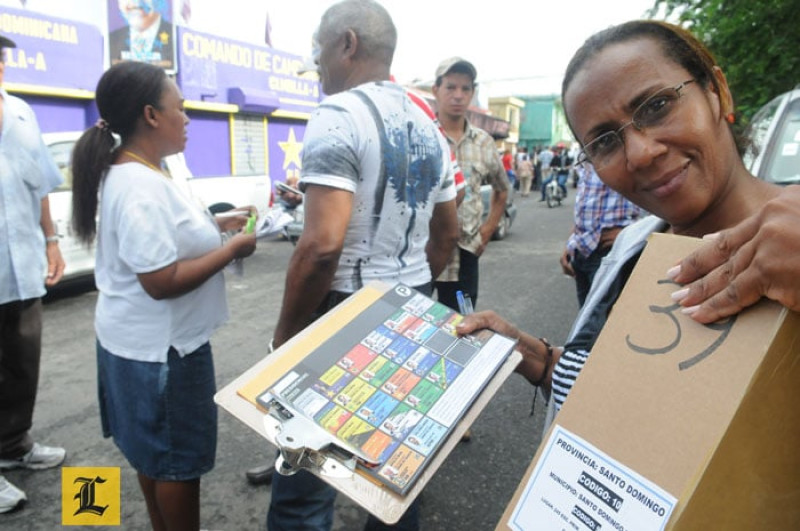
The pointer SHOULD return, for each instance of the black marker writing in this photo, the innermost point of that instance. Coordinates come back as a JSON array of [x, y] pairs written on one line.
[[723, 327]]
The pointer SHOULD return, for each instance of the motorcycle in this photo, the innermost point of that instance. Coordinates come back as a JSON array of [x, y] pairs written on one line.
[[554, 193]]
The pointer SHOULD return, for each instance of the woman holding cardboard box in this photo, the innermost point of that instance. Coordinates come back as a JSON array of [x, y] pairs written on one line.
[[663, 139]]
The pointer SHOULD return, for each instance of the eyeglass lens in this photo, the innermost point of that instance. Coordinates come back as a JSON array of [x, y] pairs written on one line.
[[655, 111]]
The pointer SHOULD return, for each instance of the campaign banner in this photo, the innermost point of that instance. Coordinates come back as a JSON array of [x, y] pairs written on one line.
[[51, 52], [141, 30], [258, 78]]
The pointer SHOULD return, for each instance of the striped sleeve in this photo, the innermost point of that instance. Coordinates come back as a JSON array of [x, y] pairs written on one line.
[[566, 372]]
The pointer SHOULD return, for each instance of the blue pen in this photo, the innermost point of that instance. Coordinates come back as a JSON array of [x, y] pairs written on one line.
[[462, 305]]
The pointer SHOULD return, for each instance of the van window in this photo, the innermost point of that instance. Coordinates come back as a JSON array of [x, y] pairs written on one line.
[[783, 166], [62, 154]]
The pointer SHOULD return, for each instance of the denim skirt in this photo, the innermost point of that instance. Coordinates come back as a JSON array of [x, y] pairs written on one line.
[[162, 416]]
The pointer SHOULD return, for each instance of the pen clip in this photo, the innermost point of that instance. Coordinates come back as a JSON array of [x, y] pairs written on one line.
[[464, 303], [468, 304]]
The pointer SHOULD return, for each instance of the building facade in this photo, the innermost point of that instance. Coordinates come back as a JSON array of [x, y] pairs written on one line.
[[247, 104]]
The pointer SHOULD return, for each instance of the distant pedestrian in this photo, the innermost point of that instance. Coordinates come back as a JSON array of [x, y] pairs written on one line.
[[545, 158], [525, 174], [508, 166], [537, 169]]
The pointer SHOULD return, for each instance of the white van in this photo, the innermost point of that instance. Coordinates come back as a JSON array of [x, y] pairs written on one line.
[[773, 153], [216, 193]]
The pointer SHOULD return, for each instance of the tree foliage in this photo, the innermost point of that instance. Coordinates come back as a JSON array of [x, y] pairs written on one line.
[[756, 42]]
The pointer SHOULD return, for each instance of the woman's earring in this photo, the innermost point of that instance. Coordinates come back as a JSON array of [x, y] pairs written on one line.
[[730, 118]]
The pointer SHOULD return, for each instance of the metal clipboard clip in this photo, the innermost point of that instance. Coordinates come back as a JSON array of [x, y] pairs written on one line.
[[305, 445]]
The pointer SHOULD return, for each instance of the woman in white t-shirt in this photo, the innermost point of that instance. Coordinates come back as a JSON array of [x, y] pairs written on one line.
[[162, 294]]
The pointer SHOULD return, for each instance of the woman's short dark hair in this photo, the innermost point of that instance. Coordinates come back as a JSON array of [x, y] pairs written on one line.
[[122, 93], [677, 43]]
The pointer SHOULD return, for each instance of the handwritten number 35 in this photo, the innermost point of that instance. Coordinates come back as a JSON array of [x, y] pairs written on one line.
[[723, 327]]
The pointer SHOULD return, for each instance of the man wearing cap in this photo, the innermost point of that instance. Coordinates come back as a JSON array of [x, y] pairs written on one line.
[[477, 156], [29, 259], [379, 205]]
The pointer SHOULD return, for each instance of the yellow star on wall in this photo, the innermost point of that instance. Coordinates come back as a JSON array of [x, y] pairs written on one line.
[[291, 150]]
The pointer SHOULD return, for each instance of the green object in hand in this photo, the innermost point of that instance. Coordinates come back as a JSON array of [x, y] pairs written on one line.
[[251, 224]]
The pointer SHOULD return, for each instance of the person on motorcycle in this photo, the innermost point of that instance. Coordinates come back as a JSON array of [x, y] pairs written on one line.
[[560, 165]]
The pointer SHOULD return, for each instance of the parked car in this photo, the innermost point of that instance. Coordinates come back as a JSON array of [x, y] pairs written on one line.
[[509, 215], [78, 258], [774, 136], [293, 230], [215, 193]]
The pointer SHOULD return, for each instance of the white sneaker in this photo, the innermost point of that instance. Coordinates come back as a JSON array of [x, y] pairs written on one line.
[[39, 458], [10, 496]]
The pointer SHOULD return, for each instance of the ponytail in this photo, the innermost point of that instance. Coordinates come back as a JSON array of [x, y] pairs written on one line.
[[91, 158]]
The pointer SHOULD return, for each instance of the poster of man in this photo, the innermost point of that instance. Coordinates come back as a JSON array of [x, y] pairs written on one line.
[[142, 30]]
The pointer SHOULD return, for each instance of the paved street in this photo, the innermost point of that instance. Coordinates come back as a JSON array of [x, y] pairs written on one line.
[[520, 278]]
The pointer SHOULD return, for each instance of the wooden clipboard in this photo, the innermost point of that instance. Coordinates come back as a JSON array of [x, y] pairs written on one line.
[[239, 398]]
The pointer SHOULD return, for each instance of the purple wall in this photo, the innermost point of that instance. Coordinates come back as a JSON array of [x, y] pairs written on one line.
[[208, 150], [57, 115]]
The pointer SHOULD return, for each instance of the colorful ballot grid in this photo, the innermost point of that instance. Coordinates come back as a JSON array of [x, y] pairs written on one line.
[[390, 383]]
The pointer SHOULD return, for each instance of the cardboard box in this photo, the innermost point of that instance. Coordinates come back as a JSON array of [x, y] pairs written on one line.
[[695, 427]]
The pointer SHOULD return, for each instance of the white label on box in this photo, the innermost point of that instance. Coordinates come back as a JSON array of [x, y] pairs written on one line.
[[575, 486]]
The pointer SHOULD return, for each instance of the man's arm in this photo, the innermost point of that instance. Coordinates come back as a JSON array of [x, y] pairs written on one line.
[[181, 277], [497, 207], [759, 257], [315, 259], [443, 236], [460, 196], [55, 262], [500, 187], [568, 255]]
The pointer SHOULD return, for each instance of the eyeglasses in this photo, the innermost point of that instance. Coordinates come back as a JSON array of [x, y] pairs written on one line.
[[655, 111]]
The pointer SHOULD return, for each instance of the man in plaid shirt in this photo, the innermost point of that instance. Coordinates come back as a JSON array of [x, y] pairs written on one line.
[[600, 214], [477, 157]]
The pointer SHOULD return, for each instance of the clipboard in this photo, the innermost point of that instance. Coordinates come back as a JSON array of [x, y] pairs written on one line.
[[260, 399]]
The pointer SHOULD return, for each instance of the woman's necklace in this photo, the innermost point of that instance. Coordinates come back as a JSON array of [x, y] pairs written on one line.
[[136, 157]]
